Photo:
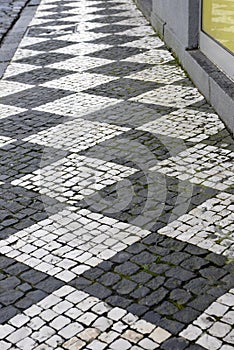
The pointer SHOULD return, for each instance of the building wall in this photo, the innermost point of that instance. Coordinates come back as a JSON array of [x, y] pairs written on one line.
[[178, 17], [174, 16], [178, 23]]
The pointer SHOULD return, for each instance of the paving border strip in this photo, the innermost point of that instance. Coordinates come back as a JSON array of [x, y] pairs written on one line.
[[11, 39]]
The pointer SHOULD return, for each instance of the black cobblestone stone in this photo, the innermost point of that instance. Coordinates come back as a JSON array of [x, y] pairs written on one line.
[[137, 309], [143, 258], [124, 287], [39, 76], [48, 32], [49, 285], [10, 298], [156, 282], [194, 250], [108, 11], [124, 88], [108, 19], [127, 269], [141, 277], [166, 309], [159, 251], [80, 283], [121, 257], [21, 158], [28, 123], [180, 273], [175, 258], [111, 28], [118, 68], [195, 347], [175, 344], [50, 44], [155, 297], [9, 283], [216, 292], [227, 281], [33, 276], [25, 287], [126, 147], [202, 302], [118, 51], [116, 300], [132, 114], [222, 139], [107, 5], [109, 279], [140, 293], [98, 290], [58, 16], [34, 97], [18, 203], [148, 218], [176, 295], [22, 287], [152, 317], [171, 325], [186, 315], [106, 265], [212, 273], [158, 268], [195, 263], [93, 273], [180, 296], [5, 261], [58, 7], [196, 285], [30, 299], [6, 313], [218, 260]]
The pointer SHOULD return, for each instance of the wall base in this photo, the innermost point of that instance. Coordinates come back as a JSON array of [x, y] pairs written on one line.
[[217, 87]]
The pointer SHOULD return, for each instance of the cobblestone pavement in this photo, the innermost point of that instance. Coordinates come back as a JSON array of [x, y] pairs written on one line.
[[9, 11], [116, 191]]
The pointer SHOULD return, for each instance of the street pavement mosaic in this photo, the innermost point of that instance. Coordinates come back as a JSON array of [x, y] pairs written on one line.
[[116, 190]]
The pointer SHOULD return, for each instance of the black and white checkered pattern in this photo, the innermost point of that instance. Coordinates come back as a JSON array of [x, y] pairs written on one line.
[[116, 190]]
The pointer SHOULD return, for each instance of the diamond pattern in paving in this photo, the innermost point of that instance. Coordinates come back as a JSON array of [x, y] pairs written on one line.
[[48, 45], [117, 52], [116, 190], [45, 59], [34, 97], [79, 135], [115, 39], [39, 76], [122, 88], [119, 68], [129, 114], [74, 177]]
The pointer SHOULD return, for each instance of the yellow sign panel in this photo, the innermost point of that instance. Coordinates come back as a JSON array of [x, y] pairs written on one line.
[[218, 21]]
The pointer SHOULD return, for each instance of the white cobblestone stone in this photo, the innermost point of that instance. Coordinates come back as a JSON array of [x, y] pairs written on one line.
[[219, 329], [159, 335], [5, 330], [191, 333], [209, 342]]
